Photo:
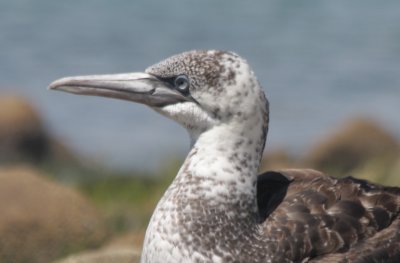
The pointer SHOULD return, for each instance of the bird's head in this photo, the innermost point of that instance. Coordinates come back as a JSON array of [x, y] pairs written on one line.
[[198, 89]]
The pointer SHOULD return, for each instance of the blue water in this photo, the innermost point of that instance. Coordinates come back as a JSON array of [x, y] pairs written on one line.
[[320, 62]]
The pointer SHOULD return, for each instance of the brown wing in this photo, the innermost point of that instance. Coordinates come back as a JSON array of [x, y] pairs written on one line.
[[324, 219]]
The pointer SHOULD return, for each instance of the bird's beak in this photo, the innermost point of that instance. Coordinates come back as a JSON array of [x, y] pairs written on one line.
[[138, 87]]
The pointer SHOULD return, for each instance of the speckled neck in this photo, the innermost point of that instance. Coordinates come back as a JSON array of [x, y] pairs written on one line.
[[213, 194], [223, 163]]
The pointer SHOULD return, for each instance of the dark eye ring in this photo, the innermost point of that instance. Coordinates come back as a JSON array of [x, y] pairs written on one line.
[[182, 83]]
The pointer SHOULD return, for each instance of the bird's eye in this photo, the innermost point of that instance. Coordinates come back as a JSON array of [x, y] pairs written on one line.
[[181, 83]]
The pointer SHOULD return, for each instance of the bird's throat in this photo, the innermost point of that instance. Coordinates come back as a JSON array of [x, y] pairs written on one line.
[[216, 185], [222, 166]]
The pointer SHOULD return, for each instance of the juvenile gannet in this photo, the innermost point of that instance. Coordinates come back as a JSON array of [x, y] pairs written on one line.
[[218, 209]]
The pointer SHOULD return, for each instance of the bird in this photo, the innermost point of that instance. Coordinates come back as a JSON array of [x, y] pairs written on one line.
[[218, 208]]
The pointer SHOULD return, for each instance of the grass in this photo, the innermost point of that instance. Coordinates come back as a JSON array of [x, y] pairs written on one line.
[[127, 199]]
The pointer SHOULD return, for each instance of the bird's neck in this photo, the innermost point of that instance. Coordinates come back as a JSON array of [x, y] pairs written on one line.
[[222, 166], [215, 186]]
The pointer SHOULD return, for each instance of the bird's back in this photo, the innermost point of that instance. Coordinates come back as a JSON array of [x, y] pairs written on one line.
[[325, 219]]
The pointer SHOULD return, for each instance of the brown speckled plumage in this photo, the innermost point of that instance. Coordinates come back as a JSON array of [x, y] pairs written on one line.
[[336, 220]]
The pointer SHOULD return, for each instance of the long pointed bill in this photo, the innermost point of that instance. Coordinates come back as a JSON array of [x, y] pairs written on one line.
[[137, 87]]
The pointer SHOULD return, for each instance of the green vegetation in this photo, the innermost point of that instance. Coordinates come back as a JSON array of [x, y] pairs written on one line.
[[128, 198]]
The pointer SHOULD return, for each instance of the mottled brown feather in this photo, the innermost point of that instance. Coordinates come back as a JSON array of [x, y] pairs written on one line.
[[324, 219]]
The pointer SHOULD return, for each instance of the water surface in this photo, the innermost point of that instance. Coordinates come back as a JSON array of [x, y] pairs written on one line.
[[320, 62]]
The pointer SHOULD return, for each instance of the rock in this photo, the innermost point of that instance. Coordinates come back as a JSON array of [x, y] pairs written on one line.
[[125, 248], [23, 136], [21, 133], [132, 239], [110, 255], [42, 220], [278, 159], [352, 146]]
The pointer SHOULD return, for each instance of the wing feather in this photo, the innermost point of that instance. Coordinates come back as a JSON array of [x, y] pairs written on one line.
[[324, 219]]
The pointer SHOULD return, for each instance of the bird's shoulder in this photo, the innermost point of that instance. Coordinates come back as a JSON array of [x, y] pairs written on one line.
[[310, 214]]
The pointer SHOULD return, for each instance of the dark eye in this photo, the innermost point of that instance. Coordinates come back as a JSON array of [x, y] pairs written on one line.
[[182, 84]]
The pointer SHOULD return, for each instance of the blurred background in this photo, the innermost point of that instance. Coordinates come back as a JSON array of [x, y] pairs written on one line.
[[82, 174]]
